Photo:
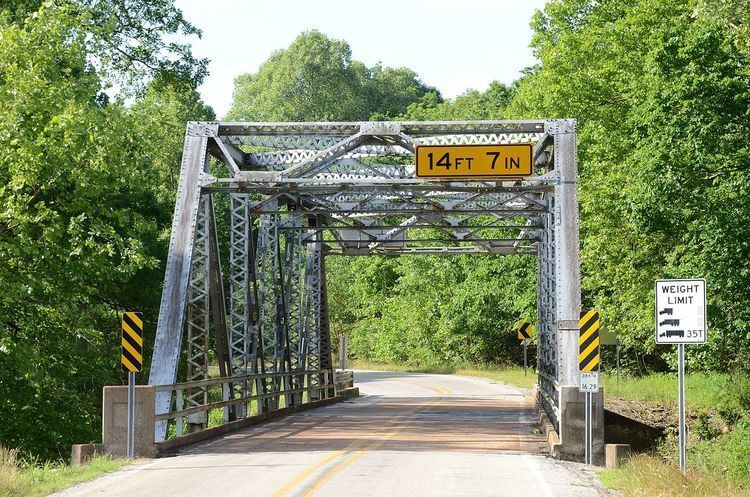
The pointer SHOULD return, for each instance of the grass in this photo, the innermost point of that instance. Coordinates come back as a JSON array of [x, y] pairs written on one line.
[[32, 479], [703, 390], [511, 375], [646, 476]]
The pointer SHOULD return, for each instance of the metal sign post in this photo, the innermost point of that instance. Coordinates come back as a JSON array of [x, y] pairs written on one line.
[[589, 385], [681, 319], [587, 424], [131, 415], [588, 364], [525, 330], [525, 355], [131, 360], [681, 401], [618, 362]]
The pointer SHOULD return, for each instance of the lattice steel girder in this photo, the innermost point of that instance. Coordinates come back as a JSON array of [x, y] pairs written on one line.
[[325, 174], [547, 348], [270, 352], [292, 283], [198, 305], [313, 307], [310, 148], [508, 249], [380, 199], [414, 128], [218, 305], [169, 328], [240, 259]]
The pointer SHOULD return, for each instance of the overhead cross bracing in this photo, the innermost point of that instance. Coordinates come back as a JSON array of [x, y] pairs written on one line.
[[299, 192], [367, 206]]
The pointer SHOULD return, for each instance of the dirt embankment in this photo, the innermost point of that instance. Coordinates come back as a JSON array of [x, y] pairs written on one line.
[[657, 416]]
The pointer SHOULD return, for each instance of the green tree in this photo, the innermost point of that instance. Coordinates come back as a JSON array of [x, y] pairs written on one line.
[[660, 90], [315, 79], [391, 91], [83, 225], [473, 104], [130, 39]]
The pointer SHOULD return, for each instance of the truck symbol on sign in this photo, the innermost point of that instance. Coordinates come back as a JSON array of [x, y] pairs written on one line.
[[672, 333], [670, 322], [666, 310]]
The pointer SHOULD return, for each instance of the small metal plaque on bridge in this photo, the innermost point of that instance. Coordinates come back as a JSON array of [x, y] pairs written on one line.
[[589, 382], [471, 161]]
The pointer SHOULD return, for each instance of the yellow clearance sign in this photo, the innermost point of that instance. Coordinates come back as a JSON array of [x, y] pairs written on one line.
[[469, 161]]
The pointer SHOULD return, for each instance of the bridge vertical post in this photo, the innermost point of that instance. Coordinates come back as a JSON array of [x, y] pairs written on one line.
[[293, 284], [325, 361], [217, 301], [198, 306], [169, 328], [568, 296], [316, 330], [547, 339], [267, 259], [239, 293], [567, 264], [312, 314]]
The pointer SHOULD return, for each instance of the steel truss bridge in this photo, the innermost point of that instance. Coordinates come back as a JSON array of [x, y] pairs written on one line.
[[291, 194]]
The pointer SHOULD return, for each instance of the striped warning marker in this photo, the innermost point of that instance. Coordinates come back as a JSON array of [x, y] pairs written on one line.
[[525, 330], [588, 341], [132, 341]]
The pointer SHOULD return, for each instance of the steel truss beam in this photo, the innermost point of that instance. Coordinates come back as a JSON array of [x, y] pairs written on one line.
[[271, 329], [299, 192], [198, 314], [241, 346]]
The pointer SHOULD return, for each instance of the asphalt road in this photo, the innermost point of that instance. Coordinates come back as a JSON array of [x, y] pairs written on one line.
[[409, 434]]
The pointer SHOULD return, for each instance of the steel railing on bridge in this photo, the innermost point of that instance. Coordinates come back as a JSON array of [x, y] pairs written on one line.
[[292, 388]]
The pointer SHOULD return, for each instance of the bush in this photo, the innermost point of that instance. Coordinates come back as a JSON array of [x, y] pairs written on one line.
[[727, 455]]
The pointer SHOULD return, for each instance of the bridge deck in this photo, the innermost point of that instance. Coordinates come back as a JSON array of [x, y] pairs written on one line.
[[411, 434]]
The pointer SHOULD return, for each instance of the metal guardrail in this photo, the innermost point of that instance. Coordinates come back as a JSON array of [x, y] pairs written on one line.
[[326, 389], [549, 393]]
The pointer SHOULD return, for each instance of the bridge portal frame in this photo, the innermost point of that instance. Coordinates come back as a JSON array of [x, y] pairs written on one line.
[[299, 192]]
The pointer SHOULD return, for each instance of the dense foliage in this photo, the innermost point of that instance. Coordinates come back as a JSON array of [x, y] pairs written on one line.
[[661, 91], [86, 191], [315, 79], [431, 310]]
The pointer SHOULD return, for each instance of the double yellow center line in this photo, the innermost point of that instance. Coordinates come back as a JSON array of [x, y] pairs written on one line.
[[350, 453]]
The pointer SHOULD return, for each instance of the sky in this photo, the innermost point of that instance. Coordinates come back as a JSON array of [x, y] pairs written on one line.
[[453, 45]]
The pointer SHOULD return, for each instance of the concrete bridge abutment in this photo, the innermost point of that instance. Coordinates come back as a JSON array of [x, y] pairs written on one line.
[[572, 425]]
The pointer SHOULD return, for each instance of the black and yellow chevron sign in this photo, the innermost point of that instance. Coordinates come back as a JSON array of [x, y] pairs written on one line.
[[132, 341], [524, 330], [588, 341]]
